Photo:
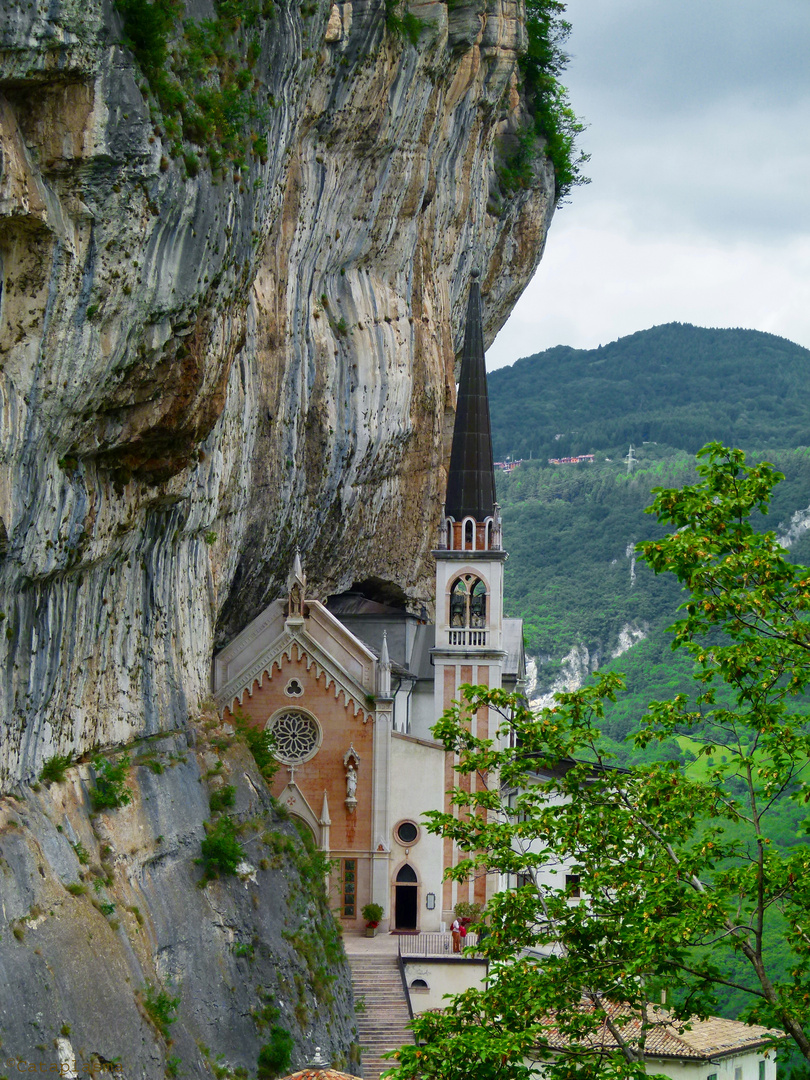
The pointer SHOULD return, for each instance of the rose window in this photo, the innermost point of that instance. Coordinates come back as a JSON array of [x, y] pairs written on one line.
[[296, 736]]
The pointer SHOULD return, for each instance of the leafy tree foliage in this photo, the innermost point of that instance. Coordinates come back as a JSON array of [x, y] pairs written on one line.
[[221, 851], [667, 390], [683, 883], [259, 741], [275, 1056]]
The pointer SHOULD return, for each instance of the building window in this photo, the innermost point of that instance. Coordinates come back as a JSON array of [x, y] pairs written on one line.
[[712, 1076], [293, 688], [762, 1070], [738, 1073], [573, 890], [468, 602], [296, 735], [349, 900], [407, 833]]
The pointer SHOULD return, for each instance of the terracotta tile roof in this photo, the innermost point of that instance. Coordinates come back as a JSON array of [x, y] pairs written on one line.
[[714, 1037]]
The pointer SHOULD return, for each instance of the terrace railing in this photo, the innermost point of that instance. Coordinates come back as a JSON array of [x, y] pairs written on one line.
[[432, 944]]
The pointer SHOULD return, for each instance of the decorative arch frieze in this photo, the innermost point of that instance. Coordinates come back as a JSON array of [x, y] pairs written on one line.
[[289, 647]]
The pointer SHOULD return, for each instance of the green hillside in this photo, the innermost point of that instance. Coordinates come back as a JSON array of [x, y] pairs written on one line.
[[675, 384], [570, 529]]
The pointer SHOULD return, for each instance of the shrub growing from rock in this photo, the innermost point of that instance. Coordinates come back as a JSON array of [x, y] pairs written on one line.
[[221, 850], [275, 1056]]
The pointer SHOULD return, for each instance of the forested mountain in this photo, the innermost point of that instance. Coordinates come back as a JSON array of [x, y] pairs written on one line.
[[571, 529], [675, 384]]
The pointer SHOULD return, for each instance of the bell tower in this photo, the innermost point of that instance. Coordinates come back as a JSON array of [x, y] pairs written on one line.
[[469, 568]]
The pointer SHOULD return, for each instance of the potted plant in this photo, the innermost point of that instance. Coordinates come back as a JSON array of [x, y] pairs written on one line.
[[372, 913]]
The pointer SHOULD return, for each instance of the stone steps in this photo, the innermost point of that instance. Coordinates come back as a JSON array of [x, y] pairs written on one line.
[[382, 1024]]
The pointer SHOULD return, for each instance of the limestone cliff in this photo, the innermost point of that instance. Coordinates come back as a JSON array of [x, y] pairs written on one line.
[[204, 367], [110, 952]]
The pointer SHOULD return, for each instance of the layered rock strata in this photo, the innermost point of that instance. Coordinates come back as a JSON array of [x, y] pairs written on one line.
[[116, 963], [202, 372]]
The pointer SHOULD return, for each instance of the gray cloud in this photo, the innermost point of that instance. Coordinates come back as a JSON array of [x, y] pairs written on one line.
[[669, 55], [699, 114]]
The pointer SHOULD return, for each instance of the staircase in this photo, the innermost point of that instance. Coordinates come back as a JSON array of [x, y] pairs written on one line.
[[382, 1024]]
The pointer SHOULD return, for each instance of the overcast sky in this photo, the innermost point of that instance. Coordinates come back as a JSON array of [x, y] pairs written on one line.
[[699, 205]]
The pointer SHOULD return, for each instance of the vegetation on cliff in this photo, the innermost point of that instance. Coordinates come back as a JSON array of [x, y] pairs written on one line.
[[201, 76], [99, 878], [204, 93], [554, 120]]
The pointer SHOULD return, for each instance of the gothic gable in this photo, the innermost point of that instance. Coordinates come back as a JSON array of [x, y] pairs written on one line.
[[317, 639]]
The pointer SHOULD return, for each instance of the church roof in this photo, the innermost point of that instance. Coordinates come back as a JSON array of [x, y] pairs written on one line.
[[471, 479]]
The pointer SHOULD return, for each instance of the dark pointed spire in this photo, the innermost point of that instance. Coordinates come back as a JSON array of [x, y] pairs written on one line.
[[471, 480]]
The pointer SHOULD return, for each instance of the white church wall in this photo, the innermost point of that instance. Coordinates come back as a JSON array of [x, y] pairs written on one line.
[[422, 711], [441, 977], [417, 785], [401, 710], [248, 646], [742, 1066], [341, 645], [552, 874]]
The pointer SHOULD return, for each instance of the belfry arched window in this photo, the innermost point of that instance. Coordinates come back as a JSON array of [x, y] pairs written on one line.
[[468, 602]]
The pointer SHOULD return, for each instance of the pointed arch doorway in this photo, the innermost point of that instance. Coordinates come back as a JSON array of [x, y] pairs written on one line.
[[406, 888]]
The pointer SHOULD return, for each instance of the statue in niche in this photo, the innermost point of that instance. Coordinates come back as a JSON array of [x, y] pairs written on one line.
[[351, 782], [351, 763]]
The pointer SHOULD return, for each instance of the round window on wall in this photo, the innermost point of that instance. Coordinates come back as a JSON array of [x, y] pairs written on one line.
[[296, 734], [407, 833]]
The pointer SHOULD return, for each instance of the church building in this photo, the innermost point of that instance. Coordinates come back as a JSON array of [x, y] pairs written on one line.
[[351, 686]]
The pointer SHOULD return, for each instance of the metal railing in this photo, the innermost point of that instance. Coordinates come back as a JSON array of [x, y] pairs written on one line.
[[404, 978], [432, 944], [468, 637]]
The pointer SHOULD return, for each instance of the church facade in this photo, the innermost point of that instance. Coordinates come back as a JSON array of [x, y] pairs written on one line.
[[350, 687]]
